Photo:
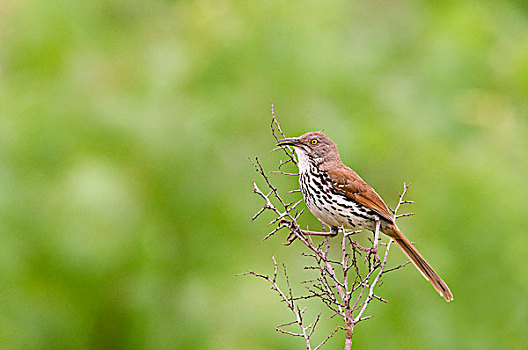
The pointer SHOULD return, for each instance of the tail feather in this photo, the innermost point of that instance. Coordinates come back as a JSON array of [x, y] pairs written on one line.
[[417, 259]]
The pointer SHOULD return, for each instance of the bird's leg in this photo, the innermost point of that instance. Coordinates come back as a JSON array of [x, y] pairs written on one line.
[[292, 236], [376, 236], [374, 248], [333, 232]]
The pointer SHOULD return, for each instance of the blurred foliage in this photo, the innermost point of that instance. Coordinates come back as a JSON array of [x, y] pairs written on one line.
[[125, 194]]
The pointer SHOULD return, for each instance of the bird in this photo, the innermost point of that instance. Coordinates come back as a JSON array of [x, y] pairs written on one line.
[[338, 197]]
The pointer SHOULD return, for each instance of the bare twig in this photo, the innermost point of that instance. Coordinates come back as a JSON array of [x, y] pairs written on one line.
[[344, 283]]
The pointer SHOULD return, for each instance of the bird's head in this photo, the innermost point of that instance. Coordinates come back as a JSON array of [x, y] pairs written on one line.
[[315, 146]]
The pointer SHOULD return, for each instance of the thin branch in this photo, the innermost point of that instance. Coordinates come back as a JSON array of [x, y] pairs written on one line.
[[344, 282]]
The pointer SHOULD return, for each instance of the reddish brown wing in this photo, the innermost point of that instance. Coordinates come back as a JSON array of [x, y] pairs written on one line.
[[346, 181]]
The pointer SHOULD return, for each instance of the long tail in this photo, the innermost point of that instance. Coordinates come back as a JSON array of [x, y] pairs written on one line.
[[420, 263]]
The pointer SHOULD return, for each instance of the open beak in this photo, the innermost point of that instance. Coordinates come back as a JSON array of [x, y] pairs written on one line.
[[288, 142]]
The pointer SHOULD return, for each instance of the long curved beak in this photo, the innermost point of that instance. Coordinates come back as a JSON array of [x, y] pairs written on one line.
[[288, 142]]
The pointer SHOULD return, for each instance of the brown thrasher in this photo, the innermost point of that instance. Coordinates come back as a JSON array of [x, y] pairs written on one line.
[[338, 197]]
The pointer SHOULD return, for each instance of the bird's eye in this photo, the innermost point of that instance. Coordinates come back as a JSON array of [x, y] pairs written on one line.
[[313, 142]]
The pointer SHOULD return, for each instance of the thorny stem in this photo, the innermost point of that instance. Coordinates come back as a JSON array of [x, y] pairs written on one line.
[[345, 286]]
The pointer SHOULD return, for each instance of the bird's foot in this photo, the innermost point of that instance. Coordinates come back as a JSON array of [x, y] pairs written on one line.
[[324, 234], [290, 225], [291, 237], [295, 230], [374, 251]]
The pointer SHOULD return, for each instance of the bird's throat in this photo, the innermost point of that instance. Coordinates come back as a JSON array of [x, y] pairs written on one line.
[[303, 160]]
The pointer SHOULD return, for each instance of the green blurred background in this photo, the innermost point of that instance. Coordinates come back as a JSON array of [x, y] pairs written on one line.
[[125, 189]]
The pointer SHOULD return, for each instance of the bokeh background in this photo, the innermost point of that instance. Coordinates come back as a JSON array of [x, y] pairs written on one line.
[[125, 188]]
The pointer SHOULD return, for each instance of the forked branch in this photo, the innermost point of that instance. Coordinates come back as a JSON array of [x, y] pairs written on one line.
[[344, 280]]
